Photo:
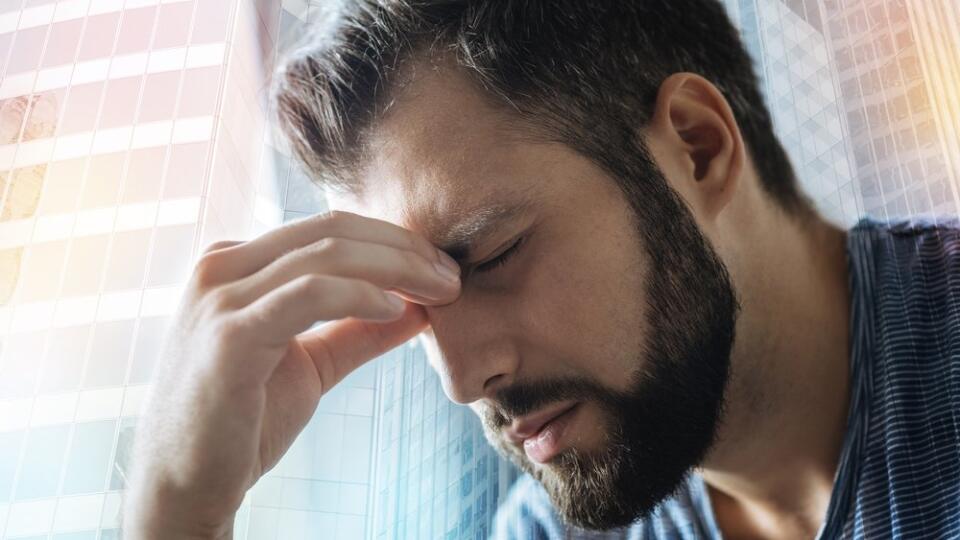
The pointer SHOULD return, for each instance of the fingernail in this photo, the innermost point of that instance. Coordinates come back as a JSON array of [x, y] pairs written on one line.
[[446, 272], [449, 262], [396, 302]]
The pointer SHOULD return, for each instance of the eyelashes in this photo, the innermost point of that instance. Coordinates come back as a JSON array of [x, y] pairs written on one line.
[[501, 259]]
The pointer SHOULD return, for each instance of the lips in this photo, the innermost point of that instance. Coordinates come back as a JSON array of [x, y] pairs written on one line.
[[530, 425]]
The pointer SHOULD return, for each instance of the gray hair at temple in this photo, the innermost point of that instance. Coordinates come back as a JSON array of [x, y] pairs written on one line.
[[581, 72]]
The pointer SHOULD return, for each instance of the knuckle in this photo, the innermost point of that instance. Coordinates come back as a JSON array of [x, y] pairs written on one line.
[[332, 247], [335, 217], [218, 245], [219, 301], [313, 284], [226, 330], [208, 268]]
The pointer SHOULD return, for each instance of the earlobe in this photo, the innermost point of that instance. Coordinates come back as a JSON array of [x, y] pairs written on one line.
[[702, 131]]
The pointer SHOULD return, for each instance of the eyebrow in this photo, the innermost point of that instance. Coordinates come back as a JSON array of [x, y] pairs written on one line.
[[461, 238]]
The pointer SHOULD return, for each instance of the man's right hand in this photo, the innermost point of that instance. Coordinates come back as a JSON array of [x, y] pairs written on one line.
[[240, 377]]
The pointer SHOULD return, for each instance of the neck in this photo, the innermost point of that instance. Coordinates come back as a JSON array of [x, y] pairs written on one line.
[[772, 469]]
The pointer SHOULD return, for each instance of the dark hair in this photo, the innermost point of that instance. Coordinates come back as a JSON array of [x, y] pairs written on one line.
[[585, 72]]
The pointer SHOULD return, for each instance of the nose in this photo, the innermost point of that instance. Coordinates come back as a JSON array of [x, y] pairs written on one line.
[[473, 361]]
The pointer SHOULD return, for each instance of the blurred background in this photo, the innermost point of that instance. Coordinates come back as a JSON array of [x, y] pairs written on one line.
[[135, 132]]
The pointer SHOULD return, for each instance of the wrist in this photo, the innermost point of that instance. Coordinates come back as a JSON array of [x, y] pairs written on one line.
[[149, 518]]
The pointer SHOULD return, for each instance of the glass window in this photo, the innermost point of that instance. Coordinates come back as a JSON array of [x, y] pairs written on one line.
[[149, 345], [99, 36], [186, 170], [159, 96], [200, 89], [27, 46], [62, 43], [40, 470], [6, 40], [10, 444], [144, 173], [120, 103], [172, 254], [89, 457], [64, 360], [42, 116], [121, 458], [107, 365], [62, 187], [128, 260], [210, 22], [18, 368], [85, 265], [23, 193], [173, 25], [80, 111], [102, 187], [40, 273], [136, 27]]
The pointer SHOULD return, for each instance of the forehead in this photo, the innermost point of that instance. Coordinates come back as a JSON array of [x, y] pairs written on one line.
[[440, 155]]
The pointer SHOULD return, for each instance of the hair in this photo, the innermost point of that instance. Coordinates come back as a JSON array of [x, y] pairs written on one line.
[[585, 73]]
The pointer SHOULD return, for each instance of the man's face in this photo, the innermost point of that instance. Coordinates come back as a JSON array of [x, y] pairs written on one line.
[[565, 307]]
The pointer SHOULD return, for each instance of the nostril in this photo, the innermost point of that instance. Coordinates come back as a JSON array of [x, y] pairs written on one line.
[[493, 382]]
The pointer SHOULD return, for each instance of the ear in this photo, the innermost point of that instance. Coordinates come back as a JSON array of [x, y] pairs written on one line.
[[702, 152]]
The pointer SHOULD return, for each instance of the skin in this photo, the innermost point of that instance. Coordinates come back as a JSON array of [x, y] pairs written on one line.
[[568, 303]]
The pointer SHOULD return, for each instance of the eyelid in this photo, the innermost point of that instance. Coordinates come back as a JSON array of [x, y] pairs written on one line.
[[500, 258]]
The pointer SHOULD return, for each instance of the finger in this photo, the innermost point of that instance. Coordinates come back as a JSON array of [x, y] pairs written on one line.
[[253, 255], [341, 347], [220, 245], [385, 266], [275, 318]]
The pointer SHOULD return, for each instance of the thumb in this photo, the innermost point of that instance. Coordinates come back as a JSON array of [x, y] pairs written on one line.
[[342, 346]]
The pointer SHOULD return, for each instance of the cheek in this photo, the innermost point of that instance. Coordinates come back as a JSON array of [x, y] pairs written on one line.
[[590, 311]]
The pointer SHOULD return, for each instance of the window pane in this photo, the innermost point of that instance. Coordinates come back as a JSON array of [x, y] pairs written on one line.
[[62, 187], [89, 457], [199, 94], [172, 247], [149, 344], [185, 171], [62, 43], [9, 457], [159, 96], [103, 180], [40, 471], [27, 46], [136, 27], [64, 362], [107, 365], [85, 265], [128, 260], [120, 102], [80, 112], [173, 25], [99, 36], [144, 174]]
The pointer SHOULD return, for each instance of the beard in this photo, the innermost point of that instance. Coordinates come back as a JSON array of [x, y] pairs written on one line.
[[663, 425]]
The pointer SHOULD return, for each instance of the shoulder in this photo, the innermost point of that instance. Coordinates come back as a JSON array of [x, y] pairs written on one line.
[[911, 265]]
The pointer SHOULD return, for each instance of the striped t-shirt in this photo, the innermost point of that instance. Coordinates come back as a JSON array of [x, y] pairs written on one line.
[[899, 470]]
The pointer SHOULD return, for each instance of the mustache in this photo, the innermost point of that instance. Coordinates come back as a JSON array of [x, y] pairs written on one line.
[[520, 399]]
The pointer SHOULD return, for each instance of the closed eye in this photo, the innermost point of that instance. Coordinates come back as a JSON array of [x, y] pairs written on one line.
[[501, 259]]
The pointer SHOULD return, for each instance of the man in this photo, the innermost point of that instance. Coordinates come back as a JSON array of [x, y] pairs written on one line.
[[630, 290]]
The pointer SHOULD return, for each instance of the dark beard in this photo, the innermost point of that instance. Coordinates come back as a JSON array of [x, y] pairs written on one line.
[[664, 425]]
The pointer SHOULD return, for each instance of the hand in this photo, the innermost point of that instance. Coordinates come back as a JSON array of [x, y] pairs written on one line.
[[241, 376]]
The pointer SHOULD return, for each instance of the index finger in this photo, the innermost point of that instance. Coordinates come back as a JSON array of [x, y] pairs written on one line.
[[251, 256]]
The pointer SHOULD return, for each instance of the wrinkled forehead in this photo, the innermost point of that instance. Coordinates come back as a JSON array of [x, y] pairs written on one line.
[[440, 155]]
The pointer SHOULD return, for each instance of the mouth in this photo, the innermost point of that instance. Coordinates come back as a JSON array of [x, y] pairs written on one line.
[[541, 434]]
